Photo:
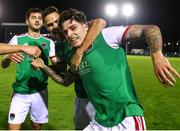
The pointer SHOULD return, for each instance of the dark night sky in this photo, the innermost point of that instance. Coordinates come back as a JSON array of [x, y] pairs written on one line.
[[164, 13]]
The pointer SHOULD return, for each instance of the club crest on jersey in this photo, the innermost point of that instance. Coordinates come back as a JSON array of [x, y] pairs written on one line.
[[12, 116], [84, 67], [43, 45]]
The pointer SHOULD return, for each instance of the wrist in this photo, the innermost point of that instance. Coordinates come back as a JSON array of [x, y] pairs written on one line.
[[21, 48], [156, 56], [80, 51], [8, 56], [42, 65], [157, 53]]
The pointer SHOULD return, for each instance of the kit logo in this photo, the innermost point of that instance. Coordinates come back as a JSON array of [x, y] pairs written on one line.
[[84, 67], [43, 45], [12, 116]]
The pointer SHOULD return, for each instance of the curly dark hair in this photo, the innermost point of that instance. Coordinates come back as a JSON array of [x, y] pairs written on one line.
[[33, 10], [50, 10], [72, 14]]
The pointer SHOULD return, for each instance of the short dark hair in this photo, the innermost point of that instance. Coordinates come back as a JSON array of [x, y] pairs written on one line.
[[33, 10], [50, 10], [72, 14]]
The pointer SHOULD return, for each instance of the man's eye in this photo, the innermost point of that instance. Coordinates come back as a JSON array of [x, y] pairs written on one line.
[[48, 25], [40, 18], [73, 28], [64, 32], [56, 21]]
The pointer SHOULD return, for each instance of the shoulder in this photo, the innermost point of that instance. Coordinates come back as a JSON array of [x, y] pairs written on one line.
[[114, 29], [114, 35], [47, 38], [16, 37], [19, 35]]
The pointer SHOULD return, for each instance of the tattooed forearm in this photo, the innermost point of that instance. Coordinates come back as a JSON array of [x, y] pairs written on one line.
[[57, 78], [153, 36], [68, 79], [151, 33], [134, 33]]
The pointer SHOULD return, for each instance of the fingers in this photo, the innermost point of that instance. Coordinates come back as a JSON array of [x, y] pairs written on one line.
[[32, 50], [75, 65], [16, 57], [38, 63], [174, 72], [166, 76], [35, 65], [159, 78], [166, 80], [75, 61], [169, 76], [40, 60], [165, 85], [165, 72], [37, 53]]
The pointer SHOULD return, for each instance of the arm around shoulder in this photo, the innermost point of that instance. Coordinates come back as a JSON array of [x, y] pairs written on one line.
[[65, 80], [95, 27]]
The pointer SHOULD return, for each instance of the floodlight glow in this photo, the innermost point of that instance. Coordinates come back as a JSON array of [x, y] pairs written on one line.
[[128, 10], [111, 10]]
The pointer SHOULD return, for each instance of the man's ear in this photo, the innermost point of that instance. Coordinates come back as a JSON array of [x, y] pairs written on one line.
[[86, 27], [27, 21]]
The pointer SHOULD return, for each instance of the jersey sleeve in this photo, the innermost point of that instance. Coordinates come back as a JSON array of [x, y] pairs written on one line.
[[52, 49], [114, 35], [13, 41]]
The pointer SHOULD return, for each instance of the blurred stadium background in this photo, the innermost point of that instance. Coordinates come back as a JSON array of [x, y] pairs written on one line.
[[140, 47]]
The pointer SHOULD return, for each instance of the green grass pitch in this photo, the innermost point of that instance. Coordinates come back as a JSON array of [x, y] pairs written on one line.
[[161, 105]]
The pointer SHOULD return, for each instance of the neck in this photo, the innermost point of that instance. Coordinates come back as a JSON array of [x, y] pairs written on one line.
[[33, 33], [58, 36]]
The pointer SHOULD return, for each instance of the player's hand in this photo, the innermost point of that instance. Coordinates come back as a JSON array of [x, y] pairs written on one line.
[[31, 50], [76, 60], [163, 70], [37, 63], [16, 57]]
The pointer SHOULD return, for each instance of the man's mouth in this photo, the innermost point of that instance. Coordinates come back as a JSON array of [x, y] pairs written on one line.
[[56, 31], [37, 24], [74, 39]]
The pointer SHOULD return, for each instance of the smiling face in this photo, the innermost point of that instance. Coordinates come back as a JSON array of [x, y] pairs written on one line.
[[34, 21], [51, 23], [74, 32]]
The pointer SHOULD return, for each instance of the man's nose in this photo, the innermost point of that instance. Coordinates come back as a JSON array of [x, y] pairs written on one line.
[[55, 26], [69, 33], [37, 20]]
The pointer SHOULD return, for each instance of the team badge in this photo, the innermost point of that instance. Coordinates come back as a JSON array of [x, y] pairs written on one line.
[[12, 116], [43, 45], [84, 67]]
